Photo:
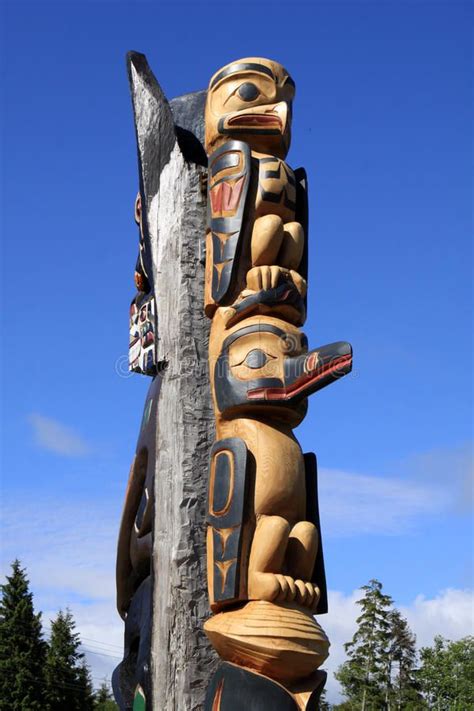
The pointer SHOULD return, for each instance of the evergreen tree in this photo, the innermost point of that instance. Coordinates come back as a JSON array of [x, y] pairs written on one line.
[[446, 675], [68, 684], [86, 688], [103, 699], [22, 649], [402, 662], [323, 704], [364, 677]]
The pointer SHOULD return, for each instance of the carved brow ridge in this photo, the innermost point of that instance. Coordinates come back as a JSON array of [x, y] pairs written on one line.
[[247, 66]]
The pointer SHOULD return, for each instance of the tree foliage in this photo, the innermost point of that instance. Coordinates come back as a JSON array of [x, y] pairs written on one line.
[[363, 676], [34, 674], [403, 688], [446, 675], [22, 648], [68, 684], [103, 699]]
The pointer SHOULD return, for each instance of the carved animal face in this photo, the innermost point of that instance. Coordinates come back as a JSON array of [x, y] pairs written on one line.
[[250, 100], [265, 365]]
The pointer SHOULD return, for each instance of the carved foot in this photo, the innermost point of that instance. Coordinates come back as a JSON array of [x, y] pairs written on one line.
[[275, 587], [269, 277]]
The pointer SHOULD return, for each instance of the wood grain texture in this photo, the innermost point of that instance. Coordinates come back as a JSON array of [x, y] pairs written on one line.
[[182, 659]]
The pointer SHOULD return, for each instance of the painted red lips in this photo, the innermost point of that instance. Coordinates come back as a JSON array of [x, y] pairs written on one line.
[[256, 121]]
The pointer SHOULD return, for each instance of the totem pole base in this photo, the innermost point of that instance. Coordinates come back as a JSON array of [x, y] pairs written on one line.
[[234, 688]]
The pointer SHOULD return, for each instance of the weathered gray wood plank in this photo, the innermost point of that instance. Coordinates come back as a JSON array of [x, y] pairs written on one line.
[[182, 659]]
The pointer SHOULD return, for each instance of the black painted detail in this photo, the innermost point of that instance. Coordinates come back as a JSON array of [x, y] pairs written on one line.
[[312, 514], [256, 359], [276, 174], [228, 160], [242, 67], [135, 667], [232, 451], [301, 216], [233, 688], [277, 198], [285, 294], [227, 229], [227, 492], [248, 91]]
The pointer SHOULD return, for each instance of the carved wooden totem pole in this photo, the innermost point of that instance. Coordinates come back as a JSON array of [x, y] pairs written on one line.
[[265, 565], [234, 239]]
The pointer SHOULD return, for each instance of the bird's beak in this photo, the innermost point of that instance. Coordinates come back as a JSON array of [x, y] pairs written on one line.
[[308, 373]]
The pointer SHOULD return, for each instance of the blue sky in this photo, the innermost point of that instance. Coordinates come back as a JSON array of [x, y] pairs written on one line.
[[383, 126]]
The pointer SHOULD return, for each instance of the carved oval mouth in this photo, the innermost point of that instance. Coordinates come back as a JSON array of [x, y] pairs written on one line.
[[255, 121]]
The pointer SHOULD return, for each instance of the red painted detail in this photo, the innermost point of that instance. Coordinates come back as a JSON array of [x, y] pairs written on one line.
[[225, 197], [300, 384], [250, 120], [216, 704], [216, 199]]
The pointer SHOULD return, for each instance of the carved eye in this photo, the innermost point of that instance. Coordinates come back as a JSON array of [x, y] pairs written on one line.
[[256, 359], [248, 91]]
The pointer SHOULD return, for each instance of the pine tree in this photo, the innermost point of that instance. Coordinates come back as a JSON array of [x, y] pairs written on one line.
[[364, 677], [323, 704], [22, 649], [86, 688], [402, 661], [103, 699], [68, 684], [446, 675]]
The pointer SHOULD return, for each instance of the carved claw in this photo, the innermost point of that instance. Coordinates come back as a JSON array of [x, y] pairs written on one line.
[[275, 587], [269, 277]]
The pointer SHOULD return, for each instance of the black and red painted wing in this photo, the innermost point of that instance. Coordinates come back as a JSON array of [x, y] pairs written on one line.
[[229, 178]]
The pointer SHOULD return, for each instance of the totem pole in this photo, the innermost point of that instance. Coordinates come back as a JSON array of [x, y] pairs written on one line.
[[265, 564], [223, 222]]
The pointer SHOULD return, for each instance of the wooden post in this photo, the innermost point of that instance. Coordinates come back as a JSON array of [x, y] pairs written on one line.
[[181, 657], [161, 568]]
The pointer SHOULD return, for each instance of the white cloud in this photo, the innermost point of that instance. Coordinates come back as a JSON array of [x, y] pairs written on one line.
[[54, 436], [68, 549], [449, 614], [355, 504]]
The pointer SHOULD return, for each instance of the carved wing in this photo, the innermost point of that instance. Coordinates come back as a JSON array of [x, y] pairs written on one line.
[[227, 490], [229, 177]]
